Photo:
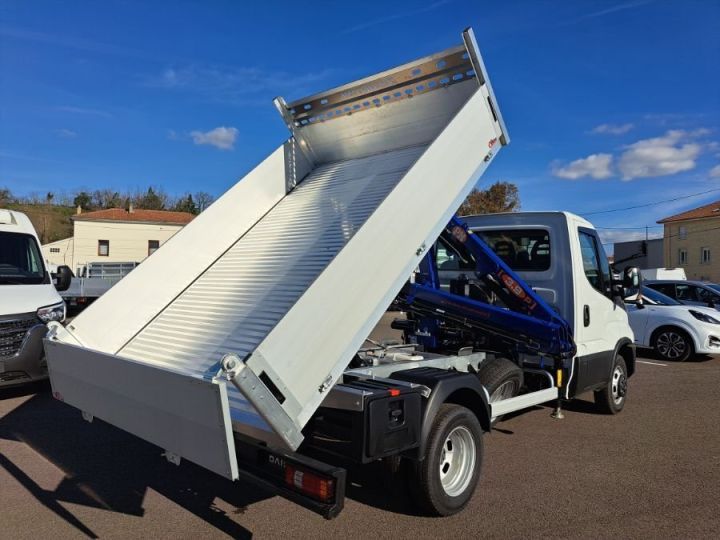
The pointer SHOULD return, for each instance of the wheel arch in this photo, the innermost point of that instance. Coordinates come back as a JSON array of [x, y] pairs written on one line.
[[473, 398], [458, 388], [626, 348]]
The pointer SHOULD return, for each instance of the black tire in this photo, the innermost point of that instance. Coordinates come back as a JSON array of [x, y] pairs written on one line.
[[446, 493], [611, 399], [502, 378], [673, 344]]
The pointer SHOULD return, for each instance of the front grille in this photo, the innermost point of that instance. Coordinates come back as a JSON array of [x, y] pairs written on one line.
[[12, 333]]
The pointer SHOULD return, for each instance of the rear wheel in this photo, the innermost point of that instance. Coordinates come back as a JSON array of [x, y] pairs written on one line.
[[502, 378], [444, 482], [673, 344], [611, 399]]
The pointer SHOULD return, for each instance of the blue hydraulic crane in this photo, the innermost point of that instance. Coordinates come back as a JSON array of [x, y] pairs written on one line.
[[524, 319]]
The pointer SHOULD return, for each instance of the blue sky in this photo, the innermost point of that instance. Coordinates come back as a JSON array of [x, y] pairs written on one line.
[[609, 104]]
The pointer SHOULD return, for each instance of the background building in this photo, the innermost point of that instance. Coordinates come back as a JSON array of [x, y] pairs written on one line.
[[653, 259], [692, 242], [115, 235]]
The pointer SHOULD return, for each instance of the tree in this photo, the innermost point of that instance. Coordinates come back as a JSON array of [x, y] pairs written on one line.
[[151, 200], [500, 197], [107, 198], [186, 204], [203, 200], [83, 200], [6, 197]]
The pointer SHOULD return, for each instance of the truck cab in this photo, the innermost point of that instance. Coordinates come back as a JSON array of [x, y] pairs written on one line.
[[560, 255], [28, 300]]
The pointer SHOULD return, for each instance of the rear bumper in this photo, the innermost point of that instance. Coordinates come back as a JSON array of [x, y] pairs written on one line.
[[28, 364]]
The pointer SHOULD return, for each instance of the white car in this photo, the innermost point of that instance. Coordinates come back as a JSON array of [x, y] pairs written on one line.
[[675, 331]]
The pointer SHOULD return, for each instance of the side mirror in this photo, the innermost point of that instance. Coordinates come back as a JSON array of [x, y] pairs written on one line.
[[631, 277], [62, 278]]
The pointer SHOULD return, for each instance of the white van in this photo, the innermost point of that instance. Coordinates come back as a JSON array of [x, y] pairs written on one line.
[[28, 300]]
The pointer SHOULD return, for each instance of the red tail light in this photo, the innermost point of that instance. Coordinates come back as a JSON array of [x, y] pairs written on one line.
[[316, 486]]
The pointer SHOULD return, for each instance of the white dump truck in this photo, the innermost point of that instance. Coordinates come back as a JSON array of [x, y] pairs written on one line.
[[241, 344]]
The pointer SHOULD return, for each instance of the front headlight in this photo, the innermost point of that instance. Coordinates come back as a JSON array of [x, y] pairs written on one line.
[[703, 317], [56, 312]]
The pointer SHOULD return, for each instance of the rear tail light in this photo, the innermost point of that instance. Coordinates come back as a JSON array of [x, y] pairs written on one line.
[[318, 487]]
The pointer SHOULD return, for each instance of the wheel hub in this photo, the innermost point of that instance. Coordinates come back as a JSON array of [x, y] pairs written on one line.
[[618, 385], [457, 461], [671, 345]]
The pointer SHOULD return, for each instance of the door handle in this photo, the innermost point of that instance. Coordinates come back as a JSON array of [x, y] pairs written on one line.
[[586, 315]]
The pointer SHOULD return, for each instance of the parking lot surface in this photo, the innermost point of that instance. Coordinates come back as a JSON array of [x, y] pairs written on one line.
[[651, 472]]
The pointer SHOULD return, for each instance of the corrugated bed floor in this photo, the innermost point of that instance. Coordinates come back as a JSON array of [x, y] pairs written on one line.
[[236, 302]]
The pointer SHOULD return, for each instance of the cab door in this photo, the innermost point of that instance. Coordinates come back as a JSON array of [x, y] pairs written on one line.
[[600, 322]]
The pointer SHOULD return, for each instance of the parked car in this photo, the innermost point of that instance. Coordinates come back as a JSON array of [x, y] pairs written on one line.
[[695, 293], [673, 330]]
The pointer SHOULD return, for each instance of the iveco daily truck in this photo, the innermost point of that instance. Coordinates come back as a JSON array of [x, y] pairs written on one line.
[[241, 344]]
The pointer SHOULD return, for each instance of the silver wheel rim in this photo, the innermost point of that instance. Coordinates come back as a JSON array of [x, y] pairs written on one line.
[[504, 391], [671, 345], [457, 461], [618, 385]]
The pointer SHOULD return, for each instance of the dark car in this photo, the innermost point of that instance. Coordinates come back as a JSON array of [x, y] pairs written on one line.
[[697, 293]]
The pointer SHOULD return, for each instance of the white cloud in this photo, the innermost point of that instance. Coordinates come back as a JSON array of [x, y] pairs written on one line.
[[612, 129], [66, 133], [715, 172], [661, 156], [240, 86], [221, 137], [83, 110], [596, 166], [397, 16]]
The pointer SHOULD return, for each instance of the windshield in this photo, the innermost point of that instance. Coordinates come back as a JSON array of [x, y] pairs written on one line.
[[651, 296], [20, 260], [714, 286]]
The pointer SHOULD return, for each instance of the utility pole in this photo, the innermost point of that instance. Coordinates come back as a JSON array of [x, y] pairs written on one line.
[[646, 233]]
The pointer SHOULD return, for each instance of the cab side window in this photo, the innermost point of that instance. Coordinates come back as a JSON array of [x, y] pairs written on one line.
[[596, 272]]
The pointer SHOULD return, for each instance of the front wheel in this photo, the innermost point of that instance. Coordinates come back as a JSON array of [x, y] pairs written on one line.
[[444, 482], [673, 344], [611, 399]]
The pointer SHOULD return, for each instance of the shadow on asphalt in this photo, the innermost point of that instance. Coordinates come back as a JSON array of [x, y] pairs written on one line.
[[374, 485], [110, 469], [107, 468]]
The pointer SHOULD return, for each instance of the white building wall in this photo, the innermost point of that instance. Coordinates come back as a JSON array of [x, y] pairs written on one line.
[[59, 252], [128, 241]]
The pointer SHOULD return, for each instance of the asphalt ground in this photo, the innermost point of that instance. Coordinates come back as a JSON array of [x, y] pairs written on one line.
[[652, 471]]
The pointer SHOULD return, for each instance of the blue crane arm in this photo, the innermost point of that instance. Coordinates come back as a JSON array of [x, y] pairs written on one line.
[[527, 320]]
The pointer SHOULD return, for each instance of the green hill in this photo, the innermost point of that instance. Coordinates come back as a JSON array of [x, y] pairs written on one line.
[[51, 222]]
